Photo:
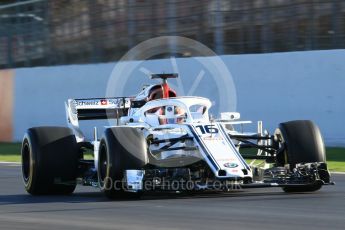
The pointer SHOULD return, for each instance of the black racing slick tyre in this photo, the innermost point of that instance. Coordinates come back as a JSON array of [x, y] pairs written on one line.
[[121, 148], [303, 144], [49, 161]]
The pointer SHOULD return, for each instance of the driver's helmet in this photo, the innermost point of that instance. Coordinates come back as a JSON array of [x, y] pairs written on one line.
[[171, 115]]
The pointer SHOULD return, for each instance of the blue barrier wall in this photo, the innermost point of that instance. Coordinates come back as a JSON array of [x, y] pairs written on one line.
[[269, 87]]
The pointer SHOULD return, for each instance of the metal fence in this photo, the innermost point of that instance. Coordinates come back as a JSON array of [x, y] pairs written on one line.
[[52, 32]]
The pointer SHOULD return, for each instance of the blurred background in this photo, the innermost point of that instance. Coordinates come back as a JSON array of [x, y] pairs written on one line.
[[286, 57], [55, 32]]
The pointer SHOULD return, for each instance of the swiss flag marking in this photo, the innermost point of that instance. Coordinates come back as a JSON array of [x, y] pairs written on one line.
[[104, 102]]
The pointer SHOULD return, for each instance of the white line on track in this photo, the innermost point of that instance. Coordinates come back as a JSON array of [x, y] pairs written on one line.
[[343, 173], [10, 163]]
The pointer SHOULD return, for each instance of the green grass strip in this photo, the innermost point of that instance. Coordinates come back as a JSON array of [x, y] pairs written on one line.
[[10, 152]]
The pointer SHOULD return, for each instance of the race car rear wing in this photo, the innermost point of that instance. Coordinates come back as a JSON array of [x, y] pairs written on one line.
[[99, 108], [94, 108]]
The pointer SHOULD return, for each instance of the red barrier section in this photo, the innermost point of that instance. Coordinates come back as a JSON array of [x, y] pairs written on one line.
[[6, 105]]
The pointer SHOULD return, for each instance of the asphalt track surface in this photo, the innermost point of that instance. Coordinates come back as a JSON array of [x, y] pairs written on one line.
[[87, 208]]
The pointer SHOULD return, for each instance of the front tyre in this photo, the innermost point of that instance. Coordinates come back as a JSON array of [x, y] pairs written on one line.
[[303, 144]]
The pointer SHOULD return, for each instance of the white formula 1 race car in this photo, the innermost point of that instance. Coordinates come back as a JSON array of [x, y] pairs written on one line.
[[163, 142]]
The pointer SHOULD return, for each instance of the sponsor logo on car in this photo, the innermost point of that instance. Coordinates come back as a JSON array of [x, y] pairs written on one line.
[[231, 165], [87, 102], [214, 138]]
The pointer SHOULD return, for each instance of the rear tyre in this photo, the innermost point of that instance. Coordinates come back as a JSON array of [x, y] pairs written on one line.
[[49, 161], [121, 148], [303, 144]]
